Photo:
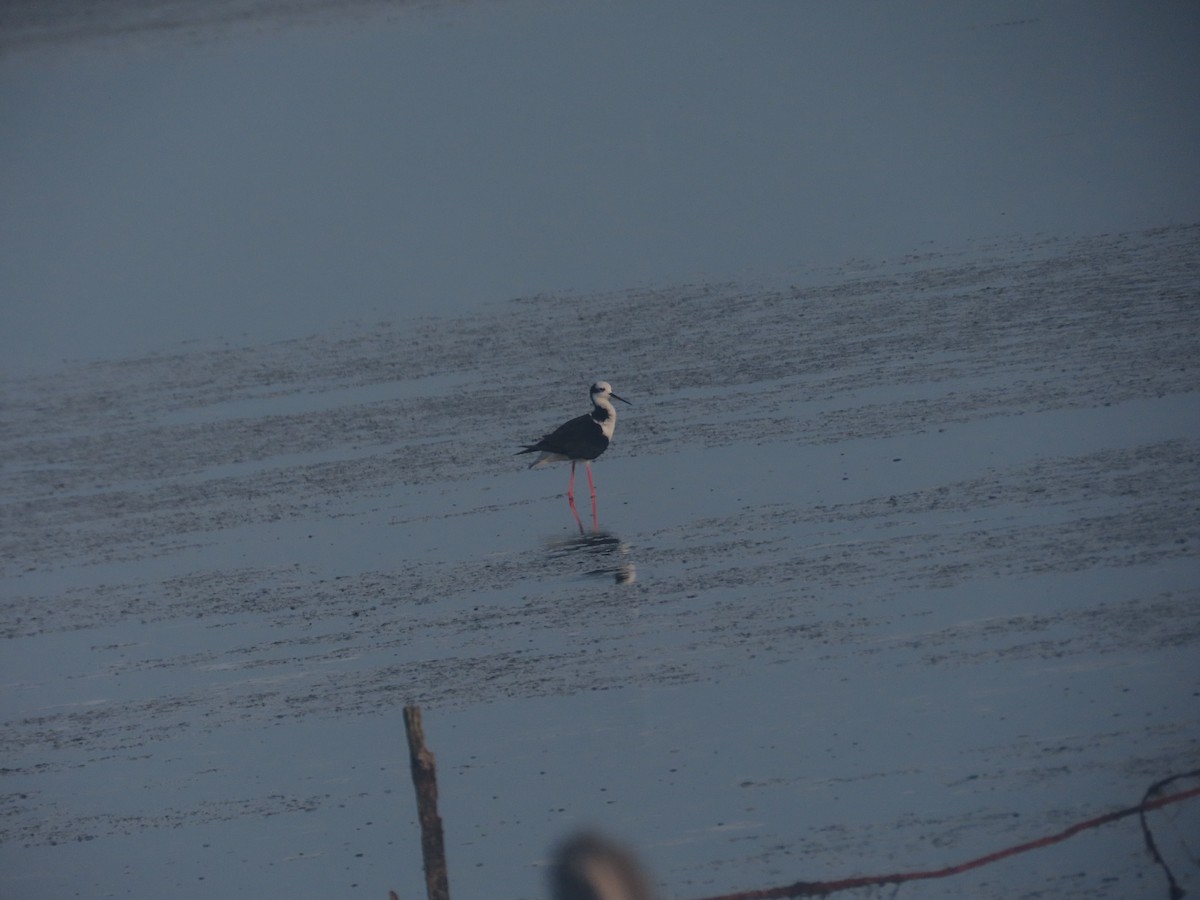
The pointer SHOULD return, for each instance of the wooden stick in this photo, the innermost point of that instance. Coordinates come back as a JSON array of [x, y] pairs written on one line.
[[825, 888], [424, 776]]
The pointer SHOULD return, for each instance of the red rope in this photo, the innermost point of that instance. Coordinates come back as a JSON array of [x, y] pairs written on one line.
[[822, 888]]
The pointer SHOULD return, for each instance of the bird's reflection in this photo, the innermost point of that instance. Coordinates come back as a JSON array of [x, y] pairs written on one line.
[[606, 553]]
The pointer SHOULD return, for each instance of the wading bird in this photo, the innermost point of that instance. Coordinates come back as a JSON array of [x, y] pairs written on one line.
[[581, 439]]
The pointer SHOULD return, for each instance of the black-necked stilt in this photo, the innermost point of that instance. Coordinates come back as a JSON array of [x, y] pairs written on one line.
[[580, 440]]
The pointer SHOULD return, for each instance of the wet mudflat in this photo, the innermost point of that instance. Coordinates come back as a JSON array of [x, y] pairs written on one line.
[[897, 565]]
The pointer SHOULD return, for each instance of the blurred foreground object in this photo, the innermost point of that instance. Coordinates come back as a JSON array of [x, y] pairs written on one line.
[[588, 867]]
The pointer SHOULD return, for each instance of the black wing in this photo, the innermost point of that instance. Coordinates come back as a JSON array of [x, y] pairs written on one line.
[[580, 438]]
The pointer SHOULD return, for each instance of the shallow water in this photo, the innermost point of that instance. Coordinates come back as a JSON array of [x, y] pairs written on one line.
[[895, 567]]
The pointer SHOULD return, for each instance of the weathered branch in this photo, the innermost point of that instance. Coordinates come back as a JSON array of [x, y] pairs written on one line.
[[424, 776]]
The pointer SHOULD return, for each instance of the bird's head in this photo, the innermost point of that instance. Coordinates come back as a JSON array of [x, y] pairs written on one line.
[[602, 389]]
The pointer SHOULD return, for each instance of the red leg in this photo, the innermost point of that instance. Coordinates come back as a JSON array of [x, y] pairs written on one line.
[[592, 485], [571, 498]]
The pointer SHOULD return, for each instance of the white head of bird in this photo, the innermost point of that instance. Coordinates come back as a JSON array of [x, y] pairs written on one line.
[[601, 392]]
